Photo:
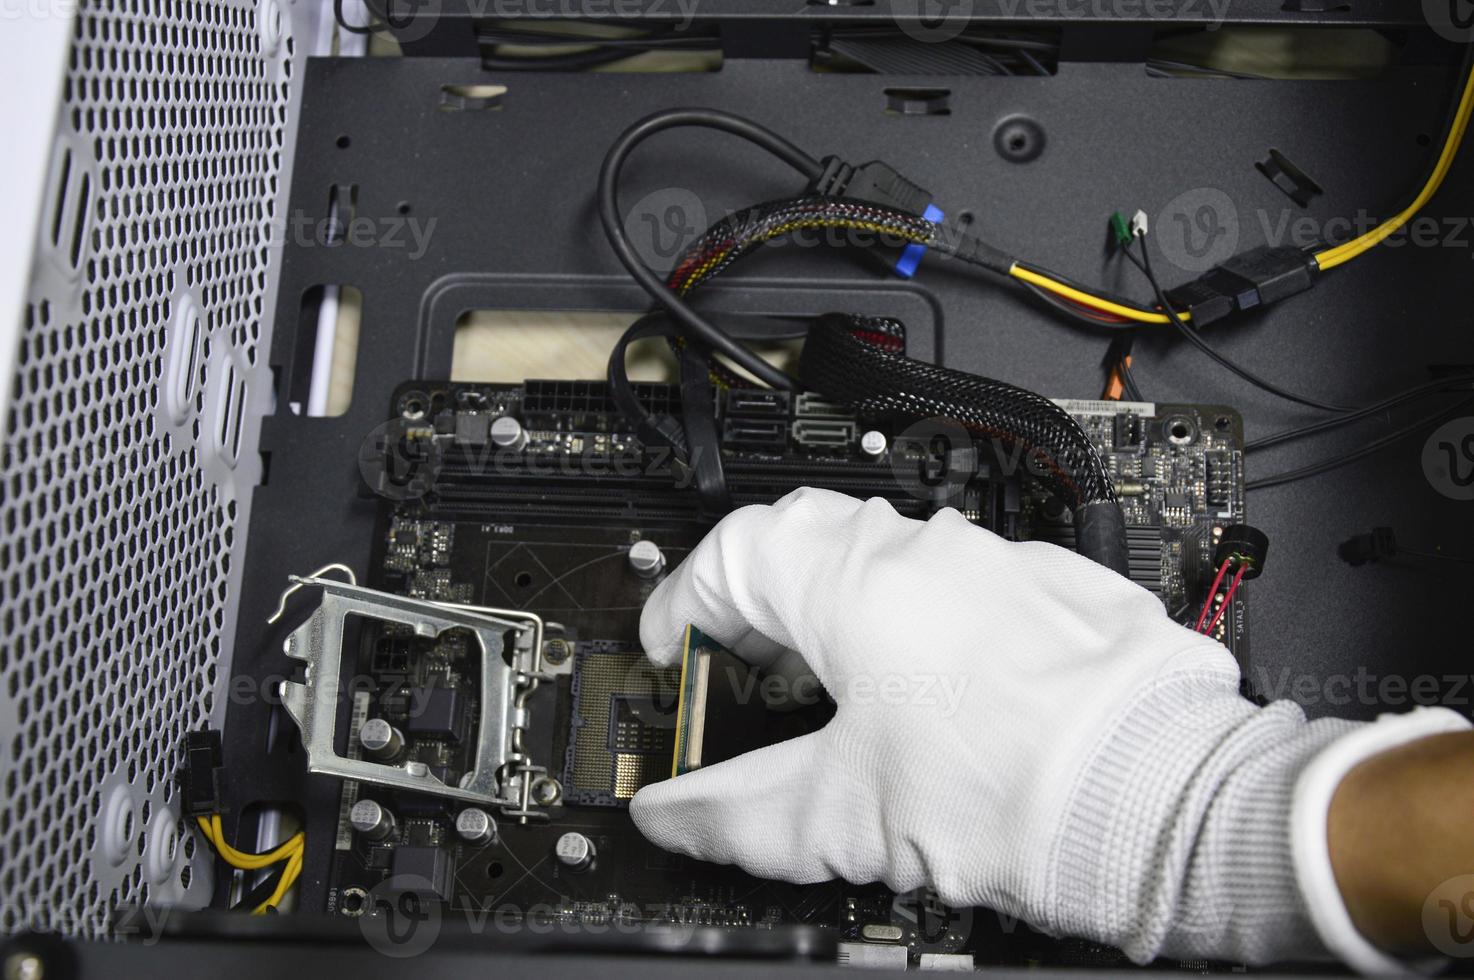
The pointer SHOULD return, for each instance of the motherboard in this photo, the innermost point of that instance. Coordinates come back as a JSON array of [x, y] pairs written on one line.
[[540, 498]]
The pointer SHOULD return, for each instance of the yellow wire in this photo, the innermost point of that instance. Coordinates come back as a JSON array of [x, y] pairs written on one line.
[[1080, 296], [1333, 257], [292, 850], [215, 834], [288, 879], [1328, 259]]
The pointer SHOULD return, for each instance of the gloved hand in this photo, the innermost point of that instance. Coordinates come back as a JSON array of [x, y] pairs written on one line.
[[1017, 727]]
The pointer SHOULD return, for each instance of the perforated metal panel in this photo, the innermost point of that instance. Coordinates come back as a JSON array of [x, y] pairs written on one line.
[[129, 446]]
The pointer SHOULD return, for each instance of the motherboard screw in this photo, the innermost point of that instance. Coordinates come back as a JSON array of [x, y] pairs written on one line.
[[556, 651]]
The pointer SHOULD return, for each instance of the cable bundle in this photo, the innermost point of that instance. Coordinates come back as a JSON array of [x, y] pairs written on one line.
[[291, 852], [885, 385], [734, 236]]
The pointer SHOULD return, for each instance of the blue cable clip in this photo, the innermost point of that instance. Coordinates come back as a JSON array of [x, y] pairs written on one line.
[[911, 254]]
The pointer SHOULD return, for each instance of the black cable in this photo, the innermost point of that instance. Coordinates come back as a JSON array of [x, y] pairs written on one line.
[[1091, 290], [1412, 553], [1325, 466], [361, 29], [749, 327], [1129, 382], [693, 323], [1192, 336], [1443, 385]]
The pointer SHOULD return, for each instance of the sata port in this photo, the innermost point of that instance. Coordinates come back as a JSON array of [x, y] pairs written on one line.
[[838, 435], [756, 401], [754, 434], [811, 406]]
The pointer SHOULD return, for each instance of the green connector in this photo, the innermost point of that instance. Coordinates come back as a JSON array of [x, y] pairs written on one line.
[[1121, 229]]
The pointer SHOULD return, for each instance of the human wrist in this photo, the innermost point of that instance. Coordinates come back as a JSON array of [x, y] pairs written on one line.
[[1396, 829], [1353, 887]]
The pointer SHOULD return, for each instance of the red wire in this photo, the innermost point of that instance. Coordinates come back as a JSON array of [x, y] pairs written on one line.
[[1095, 313], [1227, 598], [1208, 603]]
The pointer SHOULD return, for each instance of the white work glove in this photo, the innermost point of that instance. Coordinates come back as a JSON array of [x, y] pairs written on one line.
[[1017, 727]]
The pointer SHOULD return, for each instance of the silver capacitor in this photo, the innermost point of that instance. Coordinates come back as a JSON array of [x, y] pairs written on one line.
[[475, 826], [507, 433], [646, 559], [873, 444], [371, 820], [380, 740], [574, 851]]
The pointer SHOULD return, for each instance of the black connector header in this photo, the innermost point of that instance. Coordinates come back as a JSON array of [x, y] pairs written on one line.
[[202, 777], [1258, 277], [874, 182]]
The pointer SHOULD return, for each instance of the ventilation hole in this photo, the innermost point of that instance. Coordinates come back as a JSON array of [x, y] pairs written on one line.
[[918, 101], [326, 358], [469, 98], [59, 209], [79, 221]]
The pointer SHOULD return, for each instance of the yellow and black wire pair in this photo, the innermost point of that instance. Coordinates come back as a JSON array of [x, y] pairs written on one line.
[[290, 852]]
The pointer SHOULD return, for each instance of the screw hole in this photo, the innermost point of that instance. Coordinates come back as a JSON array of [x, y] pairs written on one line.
[[344, 142], [494, 869], [522, 579], [403, 207], [1223, 423]]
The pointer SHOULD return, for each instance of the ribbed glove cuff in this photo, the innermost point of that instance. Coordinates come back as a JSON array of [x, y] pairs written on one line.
[[1176, 840]]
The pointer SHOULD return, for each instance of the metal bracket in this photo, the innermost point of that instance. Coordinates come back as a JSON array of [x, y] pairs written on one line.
[[505, 684]]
